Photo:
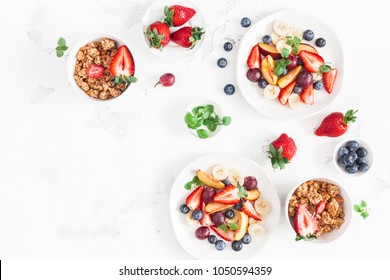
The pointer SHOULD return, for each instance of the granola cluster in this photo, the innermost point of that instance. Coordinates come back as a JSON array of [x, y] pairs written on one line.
[[99, 53], [310, 194]]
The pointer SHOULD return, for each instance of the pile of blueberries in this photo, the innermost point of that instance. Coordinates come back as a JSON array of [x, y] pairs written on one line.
[[352, 157]]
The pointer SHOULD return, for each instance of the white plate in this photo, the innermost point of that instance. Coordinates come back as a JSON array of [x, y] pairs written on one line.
[[185, 234], [332, 52], [173, 51]]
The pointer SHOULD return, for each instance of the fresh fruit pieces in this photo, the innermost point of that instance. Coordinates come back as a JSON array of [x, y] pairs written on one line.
[[178, 15], [256, 230], [207, 194], [202, 233], [222, 62], [254, 57], [285, 93], [289, 77], [271, 92], [267, 70], [190, 220], [305, 47], [237, 245], [220, 172], [275, 38], [245, 22], [304, 79], [320, 42], [294, 62], [295, 31], [187, 36], [243, 222], [281, 44], [212, 239], [250, 183], [307, 95], [270, 50], [281, 27], [262, 206], [336, 124], [216, 207], [318, 85], [267, 39], [220, 245], [158, 35], [206, 219], [218, 218], [234, 219], [209, 180], [184, 209], [329, 79], [294, 101], [281, 151], [320, 207], [228, 236], [197, 214], [95, 71], [166, 80], [311, 61], [308, 35], [229, 214], [122, 64], [253, 75], [194, 199], [262, 83], [253, 195], [304, 223], [229, 195], [229, 89], [248, 209], [246, 239], [236, 177]]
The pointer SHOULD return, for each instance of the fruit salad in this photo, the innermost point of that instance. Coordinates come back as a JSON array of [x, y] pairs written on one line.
[[287, 67], [225, 207]]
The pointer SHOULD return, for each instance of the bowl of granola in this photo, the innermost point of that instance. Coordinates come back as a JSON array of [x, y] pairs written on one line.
[[101, 67], [319, 210]]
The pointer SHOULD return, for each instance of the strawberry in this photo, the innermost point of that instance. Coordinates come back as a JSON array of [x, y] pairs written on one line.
[[311, 61], [206, 219], [122, 66], [305, 225], [336, 124], [248, 209], [307, 95], [177, 15], [194, 199], [286, 92], [187, 36], [228, 236], [329, 79], [254, 57], [95, 71], [281, 151], [228, 195], [158, 35], [320, 207]]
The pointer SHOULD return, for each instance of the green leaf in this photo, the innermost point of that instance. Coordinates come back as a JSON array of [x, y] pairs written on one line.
[[299, 237], [363, 204], [285, 52], [131, 79], [242, 192], [188, 186], [197, 182], [203, 134], [64, 48], [209, 108], [364, 214], [233, 226], [357, 208], [197, 109], [59, 53], [223, 227], [198, 123], [61, 42], [279, 70], [212, 126], [226, 120], [189, 119]]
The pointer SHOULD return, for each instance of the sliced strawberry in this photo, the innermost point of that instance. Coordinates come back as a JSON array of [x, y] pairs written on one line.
[[228, 195], [194, 199], [228, 236], [329, 79], [320, 207], [286, 92], [122, 63], [307, 95], [206, 219], [254, 57], [95, 71], [248, 209], [305, 224], [311, 61]]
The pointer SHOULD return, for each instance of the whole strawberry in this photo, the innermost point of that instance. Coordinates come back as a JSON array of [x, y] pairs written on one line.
[[281, 151], [177, 15], [158, 35], [336, 124], [187, 36]]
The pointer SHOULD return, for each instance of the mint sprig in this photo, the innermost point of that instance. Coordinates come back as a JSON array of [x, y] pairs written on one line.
[[242, 192], [124, 79], [226, 227], [305, 238], [282, 63], [293, 42], [61, 47], [362, 209], [195, 182]]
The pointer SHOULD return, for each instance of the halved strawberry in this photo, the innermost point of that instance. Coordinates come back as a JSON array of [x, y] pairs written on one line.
[[305, 224], [95, 71], [254, 57], [311, 61], [206, 219], [228, 195], [248, 209], [122, 63], [320, 207], [307, 95], [329, 79], [194, 199], [228, 236], [286, 92]]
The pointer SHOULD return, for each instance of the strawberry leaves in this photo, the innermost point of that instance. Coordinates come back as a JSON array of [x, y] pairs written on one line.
[[242, 192], [277, 160], [124, 79]]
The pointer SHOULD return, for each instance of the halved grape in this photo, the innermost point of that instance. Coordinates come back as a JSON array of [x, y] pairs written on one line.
[[253, 75], [250, 183], [304, 79], [218, 218], [202, 233], [207, 195]]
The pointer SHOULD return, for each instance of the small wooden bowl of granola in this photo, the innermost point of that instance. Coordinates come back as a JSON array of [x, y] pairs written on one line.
[[319, 210], [100, 67]]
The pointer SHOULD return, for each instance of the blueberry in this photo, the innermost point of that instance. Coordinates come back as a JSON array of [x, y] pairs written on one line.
[[245, 22], [222, 62], [318, 85], [351, 169], [298, 89], [267, 39], [238, 206], [341, 162], [226, 182], [184, 209], [320, 42], [360, 161], [212, 239], [229, 214], [300, 62], [197, 214], [361, 152], [348, 159], [363, 167], [220, 245], [342, 151], [229, 89], [285, 71], [352, 145], [262, 83], [246, 239], [228, 46], [308, 35], [237, 246]]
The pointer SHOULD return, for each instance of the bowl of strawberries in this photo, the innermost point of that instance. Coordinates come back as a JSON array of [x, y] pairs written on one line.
[[173, 30]]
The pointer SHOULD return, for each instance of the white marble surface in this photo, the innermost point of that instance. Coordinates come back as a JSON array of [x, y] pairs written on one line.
[[81, 179]]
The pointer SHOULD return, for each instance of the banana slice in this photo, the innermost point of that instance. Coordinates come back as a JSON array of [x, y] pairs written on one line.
[[262, 206], [281, 44], [234, 219], [295, 31], [281, 27], [254, 221], [271, 92], [191, 221], [220, 172], [317, 76], [294, 101], [276, 38], [256, 230], [235, 176]]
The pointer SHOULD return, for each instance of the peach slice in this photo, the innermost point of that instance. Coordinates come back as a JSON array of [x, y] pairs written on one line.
[[209, 180], [271, 50], [216, 207], [305, 47], [253, 195], [243, 222], [289, 77], [267, 70]]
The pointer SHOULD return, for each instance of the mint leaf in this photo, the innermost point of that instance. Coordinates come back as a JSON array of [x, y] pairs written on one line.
[[363, 204], [60, 53], [364, 214], [61, 42], [279, 70], [223, 227], [299, 237], [196, 181], [285, 52], [189, 118], [209, 108], [242, 192], [188, 186], [357, 208], [226, 120], [233, 226], [203, 134]]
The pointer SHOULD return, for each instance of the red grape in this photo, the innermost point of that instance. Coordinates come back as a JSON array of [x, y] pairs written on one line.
[[253, 75], [207, 195], [250, 183], [294, 62], [218, 218], [202, 233], [166, 80], [304, 79]]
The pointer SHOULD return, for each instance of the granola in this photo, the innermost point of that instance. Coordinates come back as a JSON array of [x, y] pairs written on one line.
[[98, 53], [310, 194]]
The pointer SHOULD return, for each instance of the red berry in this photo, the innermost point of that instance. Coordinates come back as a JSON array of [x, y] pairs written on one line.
[[95, 71], [166, 80]]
